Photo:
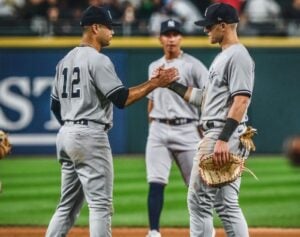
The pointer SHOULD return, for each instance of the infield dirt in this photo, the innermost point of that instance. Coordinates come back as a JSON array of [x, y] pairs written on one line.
[[141, 232]]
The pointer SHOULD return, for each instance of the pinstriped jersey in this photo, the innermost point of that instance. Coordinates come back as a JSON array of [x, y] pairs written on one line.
[[83, 81], [168, 104], [231, 73]]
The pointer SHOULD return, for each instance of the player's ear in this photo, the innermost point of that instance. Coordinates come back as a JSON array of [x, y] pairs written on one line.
[[95, 27], [160, 39]]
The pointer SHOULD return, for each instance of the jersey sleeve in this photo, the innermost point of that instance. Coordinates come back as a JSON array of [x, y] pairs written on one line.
[[105, 76], [241, 75]]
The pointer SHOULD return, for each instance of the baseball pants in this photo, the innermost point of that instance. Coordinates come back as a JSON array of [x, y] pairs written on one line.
[[202, 198], [86, 173], [167, 143]]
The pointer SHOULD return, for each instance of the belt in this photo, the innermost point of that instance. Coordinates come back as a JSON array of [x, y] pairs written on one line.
[[86, 122], [80, 121], [209, 124], [177, 121]]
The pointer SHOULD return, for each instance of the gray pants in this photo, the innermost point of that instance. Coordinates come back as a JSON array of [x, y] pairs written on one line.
[[166, 143], [86, 174], [202, 198]]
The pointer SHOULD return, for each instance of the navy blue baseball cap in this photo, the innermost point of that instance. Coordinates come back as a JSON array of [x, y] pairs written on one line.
[[219, 12], [97, 15], [170, 25]]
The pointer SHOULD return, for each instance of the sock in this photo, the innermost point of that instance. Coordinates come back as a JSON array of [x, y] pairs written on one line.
[[155, 204]]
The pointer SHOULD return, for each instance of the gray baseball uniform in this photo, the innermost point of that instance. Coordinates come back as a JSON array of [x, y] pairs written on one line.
[[82, 87], [231, 73], [173, 133]]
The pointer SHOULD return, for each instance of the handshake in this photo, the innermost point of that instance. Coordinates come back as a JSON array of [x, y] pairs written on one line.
[[163, 77]]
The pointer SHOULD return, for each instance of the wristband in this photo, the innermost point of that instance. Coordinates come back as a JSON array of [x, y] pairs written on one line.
[[178, 88], [196, 97], [230, 126]]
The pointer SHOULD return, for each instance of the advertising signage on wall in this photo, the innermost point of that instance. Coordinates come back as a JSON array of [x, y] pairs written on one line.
[[25, 85], [25, 109]]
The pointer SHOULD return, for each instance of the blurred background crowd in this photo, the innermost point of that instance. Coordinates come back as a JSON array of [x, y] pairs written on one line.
[[143, 17]]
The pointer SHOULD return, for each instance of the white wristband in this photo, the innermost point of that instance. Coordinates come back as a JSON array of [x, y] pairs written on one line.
[[196, 97]]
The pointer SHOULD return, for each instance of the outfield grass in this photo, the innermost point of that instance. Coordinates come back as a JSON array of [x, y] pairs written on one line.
[[31, 192]]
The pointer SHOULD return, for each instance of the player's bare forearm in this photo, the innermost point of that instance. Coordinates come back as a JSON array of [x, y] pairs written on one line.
[[187, 94], [149, 109], [163, 79], [239, 107], [150, 106], [235, 115], [138, 92]]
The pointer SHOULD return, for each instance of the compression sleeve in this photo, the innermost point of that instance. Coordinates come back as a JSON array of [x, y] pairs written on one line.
[[119, 97], [178, 88], [55, 108]]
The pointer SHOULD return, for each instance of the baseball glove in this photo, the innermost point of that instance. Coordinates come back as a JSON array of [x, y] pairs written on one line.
[[5, 146], [215, 177], [247, 138]]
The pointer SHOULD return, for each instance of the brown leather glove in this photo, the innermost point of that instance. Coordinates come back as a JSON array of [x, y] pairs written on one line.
[[214, 177], [5, 146]]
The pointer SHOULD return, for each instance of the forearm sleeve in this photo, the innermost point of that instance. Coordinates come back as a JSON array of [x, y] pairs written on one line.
[[178, 88], [119, 97]]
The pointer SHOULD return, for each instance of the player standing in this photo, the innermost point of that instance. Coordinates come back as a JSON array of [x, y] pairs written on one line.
[[85, 88], [173, 132], [225, 102]]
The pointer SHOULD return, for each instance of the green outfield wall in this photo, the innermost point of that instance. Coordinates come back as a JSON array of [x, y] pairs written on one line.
[[275, 109]]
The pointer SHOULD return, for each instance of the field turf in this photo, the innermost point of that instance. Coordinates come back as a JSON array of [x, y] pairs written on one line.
[[31, 189]]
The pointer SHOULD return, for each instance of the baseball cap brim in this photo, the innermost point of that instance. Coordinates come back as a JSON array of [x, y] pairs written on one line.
[[171, 30], [108, 24], [116, 24]]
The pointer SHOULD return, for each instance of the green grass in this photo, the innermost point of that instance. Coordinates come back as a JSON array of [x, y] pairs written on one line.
[[31, 188]]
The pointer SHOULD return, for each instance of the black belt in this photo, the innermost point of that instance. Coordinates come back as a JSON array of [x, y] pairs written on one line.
[[80, 121], [86, 122], [177, 121], [209, 124]]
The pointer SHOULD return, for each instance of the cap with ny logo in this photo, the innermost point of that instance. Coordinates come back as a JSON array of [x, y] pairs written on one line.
[[170, 25]]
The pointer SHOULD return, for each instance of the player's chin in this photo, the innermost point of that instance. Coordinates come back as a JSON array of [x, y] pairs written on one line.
[[105, 44], [212, 40]]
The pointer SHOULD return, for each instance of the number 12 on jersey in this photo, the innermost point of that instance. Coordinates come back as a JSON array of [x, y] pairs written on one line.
[[69, 87]]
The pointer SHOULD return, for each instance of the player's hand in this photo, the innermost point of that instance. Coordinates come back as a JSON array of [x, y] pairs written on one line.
[[165, 76], [155, 73], [221, 153]]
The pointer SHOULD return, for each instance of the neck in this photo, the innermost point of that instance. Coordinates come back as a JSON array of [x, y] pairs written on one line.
[[229, 39], [87, 41], [172, 55]]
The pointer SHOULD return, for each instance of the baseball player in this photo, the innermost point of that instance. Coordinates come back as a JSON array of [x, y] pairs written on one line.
[[85, 88], [173, 133], [224, 101]]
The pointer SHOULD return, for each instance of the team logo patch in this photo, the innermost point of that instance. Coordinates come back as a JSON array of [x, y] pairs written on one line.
[[171, 23]]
